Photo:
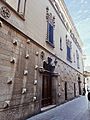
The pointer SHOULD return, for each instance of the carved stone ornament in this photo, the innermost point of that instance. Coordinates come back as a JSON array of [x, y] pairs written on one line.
[[68, 43], [1, 24], [5, 12], [6, 104], [34, 98], [49, 17], [24, 90], [35, 82]]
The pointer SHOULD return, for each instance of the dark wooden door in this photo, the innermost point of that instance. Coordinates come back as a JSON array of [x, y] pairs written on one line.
[[79, 85], [46, 90], [74, 90], [65, 90]]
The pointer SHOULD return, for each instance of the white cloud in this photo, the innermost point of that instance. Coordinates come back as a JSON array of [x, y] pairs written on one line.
[[80, 11], [85, 11], [82, 1], [85, 2]]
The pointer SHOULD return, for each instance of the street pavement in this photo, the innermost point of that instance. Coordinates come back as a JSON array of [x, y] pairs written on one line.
[[76, 109]]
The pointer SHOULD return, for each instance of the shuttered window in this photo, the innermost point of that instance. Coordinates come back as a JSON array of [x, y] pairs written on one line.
[[50, 33], [68, 53]]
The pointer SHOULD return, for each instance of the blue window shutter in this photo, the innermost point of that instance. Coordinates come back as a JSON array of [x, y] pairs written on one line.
[[50, 34], [68, 53]]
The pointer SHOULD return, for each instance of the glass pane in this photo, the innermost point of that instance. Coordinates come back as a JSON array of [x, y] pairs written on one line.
[[50, 34], [68, 53], [21, 7]]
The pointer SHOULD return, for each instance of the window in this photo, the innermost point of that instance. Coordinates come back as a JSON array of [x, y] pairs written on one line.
[[18, 5], [21, 7], [77, 56], [74, 57], [68, 53], [60, 43], [68, 43], [50, 33], [50, 27]]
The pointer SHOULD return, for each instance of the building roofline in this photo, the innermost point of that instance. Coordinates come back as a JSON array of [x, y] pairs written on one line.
[[70, 19]]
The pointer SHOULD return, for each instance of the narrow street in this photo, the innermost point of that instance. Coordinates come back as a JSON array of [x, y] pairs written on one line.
[[76, 109]]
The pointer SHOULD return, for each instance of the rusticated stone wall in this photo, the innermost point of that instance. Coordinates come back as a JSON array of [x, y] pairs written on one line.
[[20, 79]]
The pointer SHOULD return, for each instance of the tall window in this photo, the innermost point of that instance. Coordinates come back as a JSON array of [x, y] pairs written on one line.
[[68, 43], [77, 56], [74, 57], [50, 33], [21, 6], [18, 5], [50, 27], [60, 43]]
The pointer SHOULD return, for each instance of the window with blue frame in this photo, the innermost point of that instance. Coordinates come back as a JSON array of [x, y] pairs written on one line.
[[50, 33], [68, 53], [68, 43], [77, 56]]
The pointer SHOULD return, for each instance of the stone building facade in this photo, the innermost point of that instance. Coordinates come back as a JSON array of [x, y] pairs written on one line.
[[40, 57]]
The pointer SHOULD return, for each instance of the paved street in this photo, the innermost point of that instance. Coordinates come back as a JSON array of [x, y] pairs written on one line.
[[76, 109]]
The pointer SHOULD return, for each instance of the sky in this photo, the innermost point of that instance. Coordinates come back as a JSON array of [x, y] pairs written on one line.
[[80, 13]]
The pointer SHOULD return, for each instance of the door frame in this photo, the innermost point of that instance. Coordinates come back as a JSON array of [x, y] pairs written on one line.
[[74, 89], [65, 90], [48, 100]]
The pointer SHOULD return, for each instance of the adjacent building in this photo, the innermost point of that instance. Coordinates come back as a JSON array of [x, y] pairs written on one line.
[[40, 57]]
